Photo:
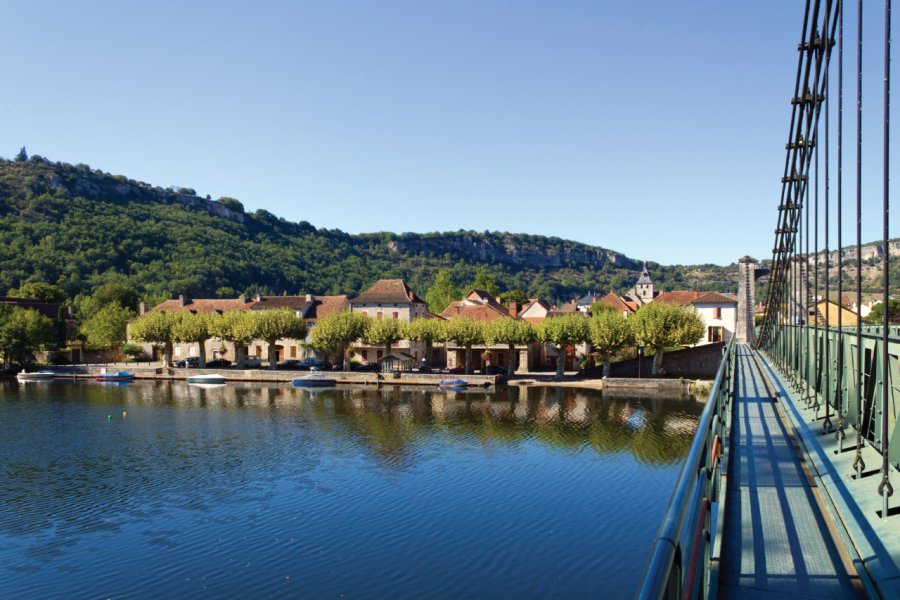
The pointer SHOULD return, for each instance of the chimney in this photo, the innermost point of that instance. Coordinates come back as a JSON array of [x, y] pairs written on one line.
[[183, 300], [242, 297], [513, 309], [411, 296], [498, 301], [309, 298], [259, 298], [142, 308]]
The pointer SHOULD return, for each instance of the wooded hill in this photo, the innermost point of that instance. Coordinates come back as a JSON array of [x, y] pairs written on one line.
[[78, 228]]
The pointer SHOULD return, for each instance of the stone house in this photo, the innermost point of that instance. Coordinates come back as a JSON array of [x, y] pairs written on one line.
[[389, 299]]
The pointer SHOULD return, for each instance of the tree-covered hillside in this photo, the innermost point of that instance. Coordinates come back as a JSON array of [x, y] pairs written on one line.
[[80, 228]]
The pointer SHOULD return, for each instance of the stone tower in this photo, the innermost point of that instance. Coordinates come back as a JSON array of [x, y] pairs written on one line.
[[748, 272], [643, 289]]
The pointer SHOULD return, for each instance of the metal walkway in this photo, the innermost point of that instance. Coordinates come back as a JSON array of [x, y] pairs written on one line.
[[777, 544]]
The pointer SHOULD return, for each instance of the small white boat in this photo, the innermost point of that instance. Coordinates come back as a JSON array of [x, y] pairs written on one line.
[[207, 379], [314, 380], [36, 376]]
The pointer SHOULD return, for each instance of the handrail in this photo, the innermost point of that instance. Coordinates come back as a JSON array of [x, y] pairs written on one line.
[[666, 575]]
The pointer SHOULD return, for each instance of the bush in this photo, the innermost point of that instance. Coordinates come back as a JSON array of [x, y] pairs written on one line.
[[132, 350]]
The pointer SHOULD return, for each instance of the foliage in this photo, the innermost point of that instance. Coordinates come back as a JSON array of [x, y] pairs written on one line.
[[659, 325], [442, 292], [23, 331], [334, 332], [876, 316], [132, 350], [599, 307], [274, 325], [155, 328], [609, 333], [466, 332], [517, 296], [42, 292], [564, 331], [384, 332], [22, 155], [106, 327], [512, 332], [427, 330], [487, 281]]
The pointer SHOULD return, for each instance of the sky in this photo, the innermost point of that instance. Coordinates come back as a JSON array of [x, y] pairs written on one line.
[[652, 128]]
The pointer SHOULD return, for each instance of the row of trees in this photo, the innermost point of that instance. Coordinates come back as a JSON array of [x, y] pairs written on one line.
[[240, 327], [657, 326], [22, 331]]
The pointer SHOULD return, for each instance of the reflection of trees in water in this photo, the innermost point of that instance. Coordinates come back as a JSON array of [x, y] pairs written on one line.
[[390, 423]]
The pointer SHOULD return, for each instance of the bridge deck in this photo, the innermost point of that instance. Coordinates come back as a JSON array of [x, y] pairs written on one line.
[[777, 542]]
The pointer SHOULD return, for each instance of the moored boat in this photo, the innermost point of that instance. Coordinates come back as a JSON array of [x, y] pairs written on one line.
[[207, 379], [35, 376], [314, 379], [117, 376], [453, 383]]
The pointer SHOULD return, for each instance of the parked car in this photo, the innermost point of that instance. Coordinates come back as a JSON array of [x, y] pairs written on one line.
[[252, 362], [191, 362], [309, 363], [457, 370], [371, 367], [219, 363], [291, 365]]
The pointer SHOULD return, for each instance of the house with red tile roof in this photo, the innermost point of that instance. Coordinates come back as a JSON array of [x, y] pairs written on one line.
[[718, 311], [389, 299]]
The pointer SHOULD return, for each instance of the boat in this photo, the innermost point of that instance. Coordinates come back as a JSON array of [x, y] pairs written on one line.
[[453, 383], [35, 376], [207, 379], [117, 376], [314, 380]]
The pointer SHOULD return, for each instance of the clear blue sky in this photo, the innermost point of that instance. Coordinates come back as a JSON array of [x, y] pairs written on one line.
[[656, 129]]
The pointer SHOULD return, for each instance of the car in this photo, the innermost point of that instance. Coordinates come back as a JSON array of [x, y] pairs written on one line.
[[371, 367], [291, 365], [309, 363], [219, 363], [252, 362], [191, 362], [457, 370]]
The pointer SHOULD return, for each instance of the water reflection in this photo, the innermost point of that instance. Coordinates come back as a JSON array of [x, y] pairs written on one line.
[[359, 479]]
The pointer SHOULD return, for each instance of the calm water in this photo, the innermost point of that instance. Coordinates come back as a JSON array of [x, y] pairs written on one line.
[[250, 491]]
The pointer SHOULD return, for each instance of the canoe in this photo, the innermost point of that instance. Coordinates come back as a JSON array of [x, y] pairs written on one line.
[[206, 379], [314, 380], [118, 376], [36, 376]]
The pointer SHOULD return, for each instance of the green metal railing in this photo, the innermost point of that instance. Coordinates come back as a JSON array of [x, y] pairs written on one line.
[[680, 563], [841, 374]]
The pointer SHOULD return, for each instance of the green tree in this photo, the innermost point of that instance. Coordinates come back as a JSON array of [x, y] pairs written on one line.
[[466, 332], [562, 332], [42, 292], [517, 296], [22, 156], [512, 332], [334, 332], [196, 328], [106, 328], [386, 332], [487, 281], [239, 328], [609, 333], [279, 324], [599, 307], [116, 293], [660, 325], [155, 328], [442, 292], [22, 331], [428, 331], [876, 316]]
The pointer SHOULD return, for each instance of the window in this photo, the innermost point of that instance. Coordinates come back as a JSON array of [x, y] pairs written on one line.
[[715, 334], [177, 350], [293, 351], [192, 351], [365, 355], [259, 351], [717, 312], [378, 355], [396, 315], [379, 315]]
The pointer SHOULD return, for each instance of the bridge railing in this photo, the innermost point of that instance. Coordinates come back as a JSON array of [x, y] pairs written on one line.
[[680, 560], [841, 376]]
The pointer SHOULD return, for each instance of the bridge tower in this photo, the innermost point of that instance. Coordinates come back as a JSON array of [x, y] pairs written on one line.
[[748, 272]]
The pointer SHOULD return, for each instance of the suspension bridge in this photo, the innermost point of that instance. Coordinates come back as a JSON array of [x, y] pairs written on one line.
[[788, 488]]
